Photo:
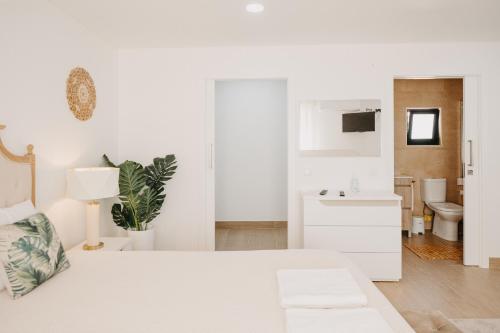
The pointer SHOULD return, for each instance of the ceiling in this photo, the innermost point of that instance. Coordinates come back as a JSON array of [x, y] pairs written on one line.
[[181, 23]]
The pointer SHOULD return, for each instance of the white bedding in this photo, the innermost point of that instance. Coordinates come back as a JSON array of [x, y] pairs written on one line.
[[319, 288], [153, 292], [359, 320]]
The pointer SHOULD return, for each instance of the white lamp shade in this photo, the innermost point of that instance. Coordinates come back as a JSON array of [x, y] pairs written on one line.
[[92, 183]]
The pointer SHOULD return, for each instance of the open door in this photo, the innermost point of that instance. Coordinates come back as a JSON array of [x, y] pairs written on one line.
[[210, 167], [472, 160]]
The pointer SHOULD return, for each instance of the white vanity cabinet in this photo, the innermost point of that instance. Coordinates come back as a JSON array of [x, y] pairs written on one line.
[[364, 226]]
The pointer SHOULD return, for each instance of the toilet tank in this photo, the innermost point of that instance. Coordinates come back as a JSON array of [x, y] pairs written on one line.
[[433, 190]]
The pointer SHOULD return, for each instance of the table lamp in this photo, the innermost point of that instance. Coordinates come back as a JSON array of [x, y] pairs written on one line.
[[92, 184]]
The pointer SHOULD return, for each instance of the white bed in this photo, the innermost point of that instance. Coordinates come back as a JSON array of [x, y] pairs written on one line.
[[223, 292], [163, 291]]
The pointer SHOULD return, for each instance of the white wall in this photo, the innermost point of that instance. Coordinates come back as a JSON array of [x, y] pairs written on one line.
[[251, 150], [162, 109], [39, 46]]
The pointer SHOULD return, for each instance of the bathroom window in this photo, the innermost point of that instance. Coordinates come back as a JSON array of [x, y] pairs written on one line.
[[423, 127]]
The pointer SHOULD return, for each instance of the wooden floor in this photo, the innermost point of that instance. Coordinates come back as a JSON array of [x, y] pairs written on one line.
[[456, 290], [245, 236]]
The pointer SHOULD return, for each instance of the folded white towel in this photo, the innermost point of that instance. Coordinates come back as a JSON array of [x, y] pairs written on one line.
[[361, 320], [319, 288]]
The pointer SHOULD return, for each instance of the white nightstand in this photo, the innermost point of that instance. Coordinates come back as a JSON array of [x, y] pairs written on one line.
[[110, 244]]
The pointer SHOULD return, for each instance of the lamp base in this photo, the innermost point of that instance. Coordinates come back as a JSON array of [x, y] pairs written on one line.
[[93, 247]]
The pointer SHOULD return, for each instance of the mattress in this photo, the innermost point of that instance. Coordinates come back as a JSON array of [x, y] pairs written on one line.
[[168, 291]]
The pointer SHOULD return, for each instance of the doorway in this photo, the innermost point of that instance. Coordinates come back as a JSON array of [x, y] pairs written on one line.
[[249, 160], [436, 167]]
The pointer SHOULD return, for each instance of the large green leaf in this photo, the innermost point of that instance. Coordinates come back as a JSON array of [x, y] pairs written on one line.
[[118, 218], [122, 216], [150, 204], [132, 181], [160, 171], [132, 178]]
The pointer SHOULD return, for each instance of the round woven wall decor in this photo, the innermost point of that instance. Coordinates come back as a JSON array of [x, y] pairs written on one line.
[[80, 92]]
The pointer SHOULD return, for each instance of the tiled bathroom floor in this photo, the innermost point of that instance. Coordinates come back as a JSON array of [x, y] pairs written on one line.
[[430, 247]]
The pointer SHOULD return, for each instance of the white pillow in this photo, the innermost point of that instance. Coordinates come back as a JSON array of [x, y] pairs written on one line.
[[13, 214], [4, 218], [17, 212]]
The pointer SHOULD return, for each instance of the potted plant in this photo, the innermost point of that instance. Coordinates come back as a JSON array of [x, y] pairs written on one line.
[[142, 194]]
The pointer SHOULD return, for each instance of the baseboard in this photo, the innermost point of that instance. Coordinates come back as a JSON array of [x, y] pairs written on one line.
[[251, 224], [494, 263]]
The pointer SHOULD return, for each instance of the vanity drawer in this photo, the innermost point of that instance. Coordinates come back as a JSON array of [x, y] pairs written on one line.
[[352, 212], [378, 266], [353, 239]]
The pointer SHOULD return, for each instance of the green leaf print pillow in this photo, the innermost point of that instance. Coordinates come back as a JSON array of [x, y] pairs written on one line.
[[30, 254]]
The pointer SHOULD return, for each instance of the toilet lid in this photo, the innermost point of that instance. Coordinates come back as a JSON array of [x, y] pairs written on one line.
[[446, 206]]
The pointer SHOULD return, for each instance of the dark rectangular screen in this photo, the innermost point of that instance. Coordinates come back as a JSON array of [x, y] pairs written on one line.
[[358, 122]]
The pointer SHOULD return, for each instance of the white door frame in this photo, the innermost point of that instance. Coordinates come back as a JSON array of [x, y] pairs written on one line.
[[209, 230], [474, 251]]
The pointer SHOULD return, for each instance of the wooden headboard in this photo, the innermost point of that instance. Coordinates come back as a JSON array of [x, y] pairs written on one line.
[[17, 175]]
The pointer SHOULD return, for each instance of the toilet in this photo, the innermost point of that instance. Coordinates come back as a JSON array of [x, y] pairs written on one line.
[[447, 214]]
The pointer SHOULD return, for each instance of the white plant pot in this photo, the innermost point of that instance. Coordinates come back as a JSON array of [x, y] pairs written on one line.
[[142, 240]]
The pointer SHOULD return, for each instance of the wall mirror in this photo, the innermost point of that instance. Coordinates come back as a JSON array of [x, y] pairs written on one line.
[[340, 127]]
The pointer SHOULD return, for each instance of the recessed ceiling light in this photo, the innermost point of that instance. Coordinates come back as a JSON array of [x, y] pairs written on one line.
[[255, 7]]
